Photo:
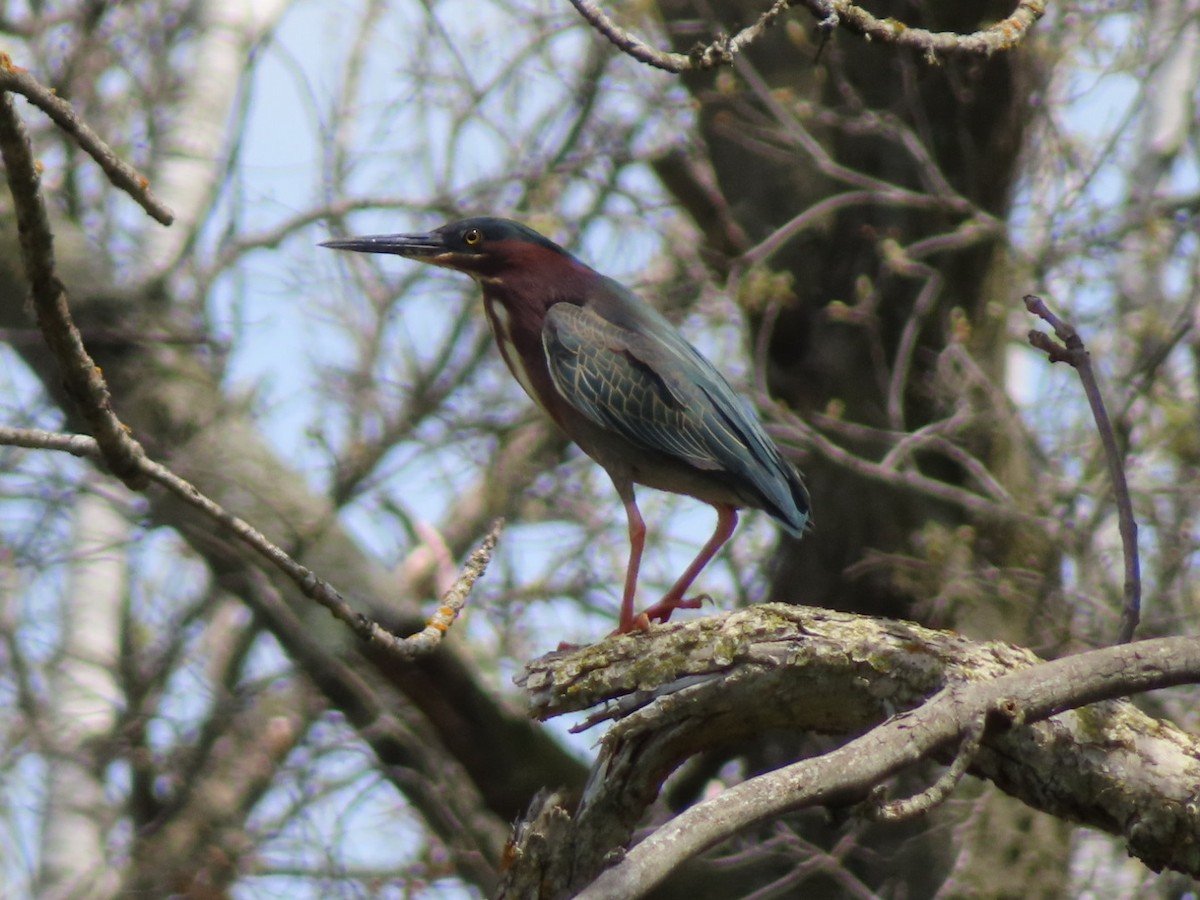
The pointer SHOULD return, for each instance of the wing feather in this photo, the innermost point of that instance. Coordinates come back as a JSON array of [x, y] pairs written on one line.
[[633, 385]]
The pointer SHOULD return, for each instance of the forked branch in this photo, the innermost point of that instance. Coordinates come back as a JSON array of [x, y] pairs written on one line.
[[1073, 352]]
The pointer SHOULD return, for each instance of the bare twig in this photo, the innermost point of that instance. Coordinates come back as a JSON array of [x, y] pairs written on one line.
[[939, 791], [793, 429], [926, 299], [453, 600], [936, 436], [429, 776], [1004, 35], [820, 212], [17, 80], [1073, 352], [80, 445], [719, 52], [367, 629]]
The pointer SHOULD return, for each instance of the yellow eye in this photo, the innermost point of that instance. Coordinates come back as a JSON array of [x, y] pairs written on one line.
[[472, 236]]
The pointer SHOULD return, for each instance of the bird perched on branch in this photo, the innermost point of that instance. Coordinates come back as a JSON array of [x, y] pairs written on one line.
[[620, 381]]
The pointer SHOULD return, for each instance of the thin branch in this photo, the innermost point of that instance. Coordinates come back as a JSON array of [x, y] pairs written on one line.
[[31, 336], [818, 213], [17, 80], [231, 251], [797, 131], [933, 437], [1004, 35], [720, 52], [81, 376], [793, 429], [80, 445], [938, 792], [1073, 352], [367, 629], [429, 776], [453, 600], [898, 261]]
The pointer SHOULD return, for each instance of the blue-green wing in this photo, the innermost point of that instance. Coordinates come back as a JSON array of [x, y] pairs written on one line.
[[629, 384], [627, 369]]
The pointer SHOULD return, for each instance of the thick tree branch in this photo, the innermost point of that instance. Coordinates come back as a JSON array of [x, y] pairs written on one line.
[[681, 688]]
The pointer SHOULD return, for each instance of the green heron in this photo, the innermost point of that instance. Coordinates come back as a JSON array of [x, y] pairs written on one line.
[[620, 381]]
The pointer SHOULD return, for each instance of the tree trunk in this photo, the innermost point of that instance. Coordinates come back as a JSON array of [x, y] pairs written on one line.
[[859, 328]]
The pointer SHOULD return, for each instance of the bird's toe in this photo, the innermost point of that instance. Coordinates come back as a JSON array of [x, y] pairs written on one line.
[[661, 611]]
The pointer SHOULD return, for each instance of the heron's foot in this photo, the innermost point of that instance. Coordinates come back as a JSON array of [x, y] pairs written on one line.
[[661, 611], [635, 625]]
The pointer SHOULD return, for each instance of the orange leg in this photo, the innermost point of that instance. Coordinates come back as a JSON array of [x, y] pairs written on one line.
[[637, 543], [727, 519]]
